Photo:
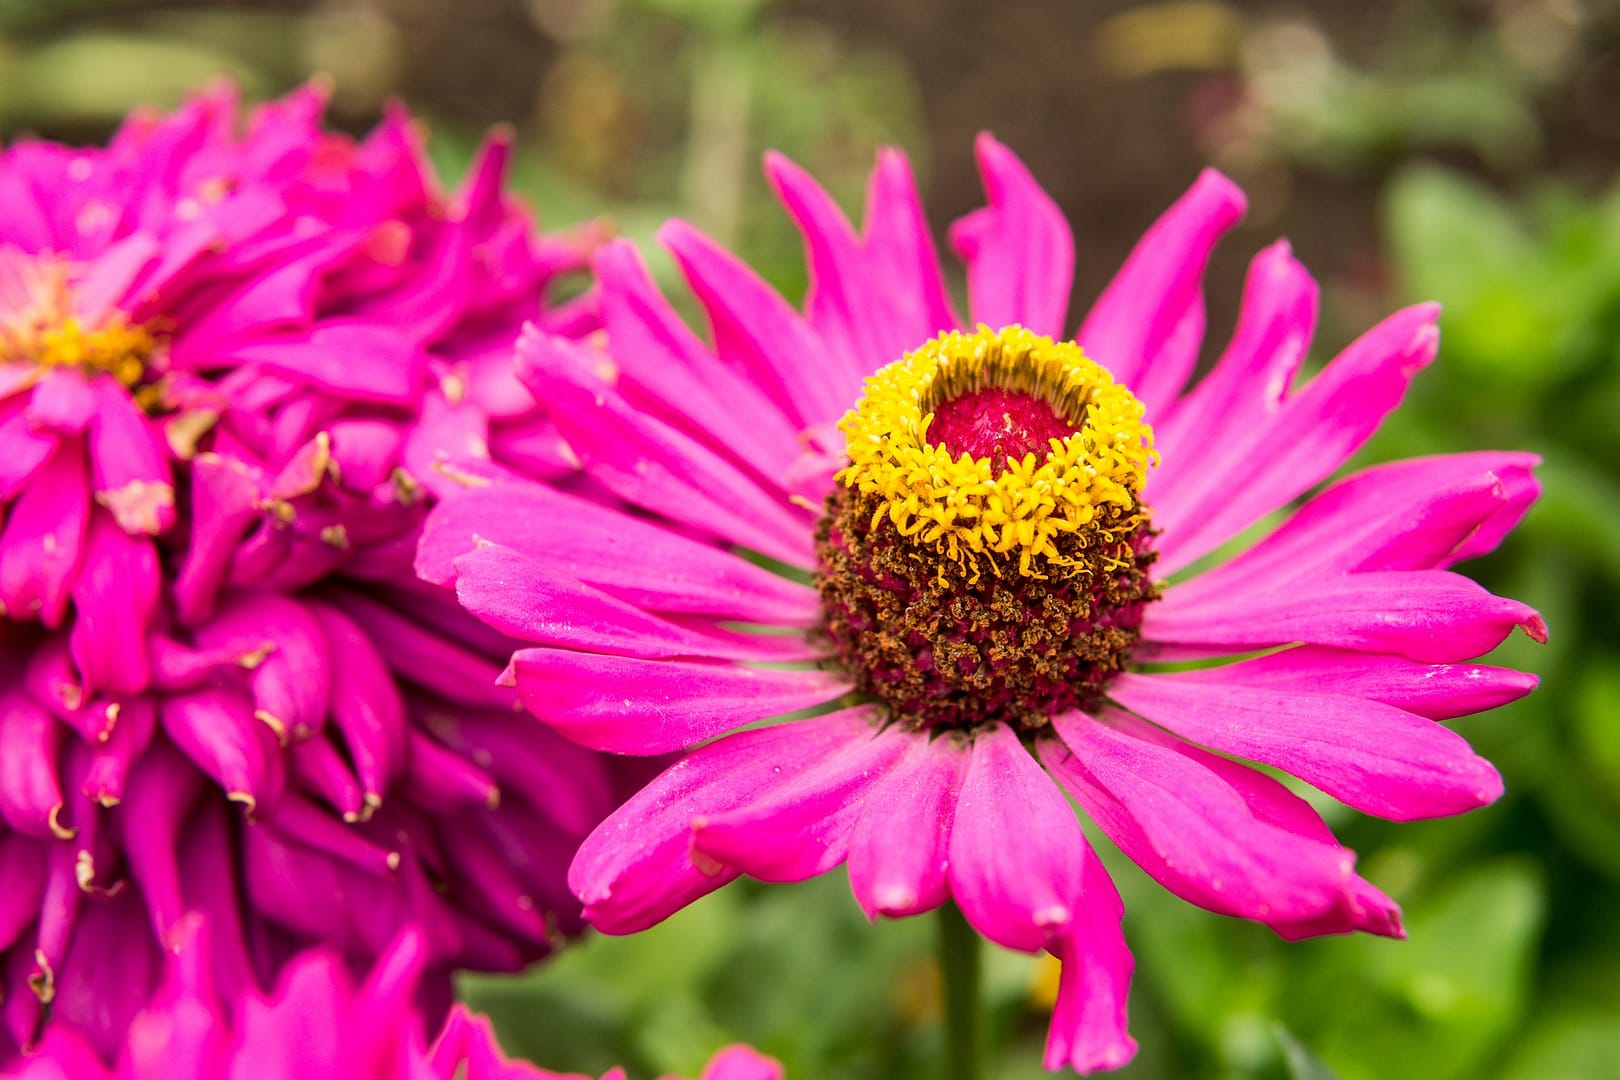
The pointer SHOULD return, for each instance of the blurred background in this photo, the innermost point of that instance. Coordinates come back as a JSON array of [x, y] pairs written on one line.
[[1461, 150]]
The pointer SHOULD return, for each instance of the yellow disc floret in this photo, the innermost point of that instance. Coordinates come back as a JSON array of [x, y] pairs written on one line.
[[980, 513], [43, 330]]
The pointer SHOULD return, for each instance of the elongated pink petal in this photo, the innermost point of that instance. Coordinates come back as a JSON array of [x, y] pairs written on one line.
[[22, 868], [625, 556], [1088, 1028], [741, 1063], [1419, 514], [658, 706], [901, 248], [1191, 827], [667, 371], [1202, 500], [757, 332], [1431, 615], [899, 849], [430, 658], [534, 602], [30, 793], [216, 729], [1023, 895], [22, 450], [163, 788], [62, 403], [365, 704], [848, 302], [42, 546], [801, 827], [1374, 757], [224, 501], [651, 465], [637, 868], [1148, 324], [1438, 691], [111, 758], [1249, 382], [291, 673], [129, 464], [390, 372], [1018, 249], [116, 598]]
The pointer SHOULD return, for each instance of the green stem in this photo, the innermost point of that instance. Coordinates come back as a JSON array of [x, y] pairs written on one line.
[[959, 964]]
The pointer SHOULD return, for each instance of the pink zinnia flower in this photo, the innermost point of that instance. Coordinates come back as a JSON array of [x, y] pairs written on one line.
[[316, 1024], [231, 366], [989, 541]]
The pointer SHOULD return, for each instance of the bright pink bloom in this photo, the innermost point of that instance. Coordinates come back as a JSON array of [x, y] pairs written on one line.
[[316, 1024], [231, 366], [993, 645]]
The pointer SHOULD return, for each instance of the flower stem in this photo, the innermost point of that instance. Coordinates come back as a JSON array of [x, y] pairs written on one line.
[[959, 964]]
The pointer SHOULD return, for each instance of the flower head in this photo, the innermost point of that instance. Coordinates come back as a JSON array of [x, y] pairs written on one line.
[[992, 539], [232, 364], [316, 1024]]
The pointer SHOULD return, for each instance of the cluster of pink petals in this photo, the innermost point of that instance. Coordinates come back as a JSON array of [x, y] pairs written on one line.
[[222, 687], [316, 1024], [637, 605]]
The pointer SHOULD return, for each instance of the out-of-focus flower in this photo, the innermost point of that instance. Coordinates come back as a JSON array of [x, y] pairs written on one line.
[[230, 365], [989, 558], [316, 1024]]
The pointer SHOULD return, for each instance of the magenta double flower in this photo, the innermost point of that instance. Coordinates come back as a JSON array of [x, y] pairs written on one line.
[[232, 365], [975, 574]]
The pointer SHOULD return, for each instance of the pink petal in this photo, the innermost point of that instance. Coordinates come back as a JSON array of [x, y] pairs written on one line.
[[1249, 382], [22, 451], [1374, 757], [110, 760], [759, 335], [1437, 691], [1203, 499], [43, 541], [901, 248], [657, 706], [358, 360], [1417, 514], [61, 403], [129, 463], [625, 556], [1190, 824], [1024, 895], [1019, 251], [22, 868], [216, 729], [651, 465], [677, 377], [637, 868], [848, 302], [365, 704], [899, 848], [801, 827], [291, 672], [163, 788], [224, 501], [116, 597], [1431, 615], [430, 658], [1088, 1030], [1148, 324], [741, 1062], [535, 602], [30, 793]]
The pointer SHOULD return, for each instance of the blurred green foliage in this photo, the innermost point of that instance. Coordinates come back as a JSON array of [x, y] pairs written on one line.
[[646, 108]]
